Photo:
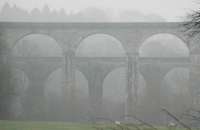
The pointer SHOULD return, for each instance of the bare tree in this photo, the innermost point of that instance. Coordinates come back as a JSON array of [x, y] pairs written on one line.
[[176, 119], [193, 24]]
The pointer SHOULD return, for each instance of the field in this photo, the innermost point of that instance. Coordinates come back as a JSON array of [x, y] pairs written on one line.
[[25, 125]]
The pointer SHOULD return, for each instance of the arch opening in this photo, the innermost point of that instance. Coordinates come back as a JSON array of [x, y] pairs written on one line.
[[37, 45], [100, 45], [164, 45], [54, 95], [114, 94], [175, 90], [141, 90], [82, 96]]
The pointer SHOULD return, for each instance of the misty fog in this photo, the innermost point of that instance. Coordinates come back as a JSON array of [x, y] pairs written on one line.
[[78, 64], [174, 86]]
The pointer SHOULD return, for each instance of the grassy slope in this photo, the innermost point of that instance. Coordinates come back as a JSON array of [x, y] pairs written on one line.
[[12, 125], [19, 125]]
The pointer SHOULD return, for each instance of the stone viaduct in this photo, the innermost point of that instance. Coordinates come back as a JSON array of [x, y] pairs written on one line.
[[95, 69]]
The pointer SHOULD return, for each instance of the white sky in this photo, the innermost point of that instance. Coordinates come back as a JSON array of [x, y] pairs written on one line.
[[171, 10]]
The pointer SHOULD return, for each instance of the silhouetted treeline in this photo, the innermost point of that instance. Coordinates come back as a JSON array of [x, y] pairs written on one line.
[[15, 13]]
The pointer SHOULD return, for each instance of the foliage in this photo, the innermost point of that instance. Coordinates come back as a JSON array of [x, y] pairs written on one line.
[[193, 24]]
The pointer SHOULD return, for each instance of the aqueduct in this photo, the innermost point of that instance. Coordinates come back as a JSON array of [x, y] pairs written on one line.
[[95, 69]]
